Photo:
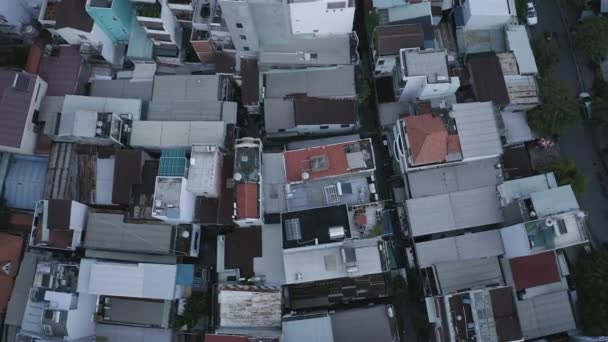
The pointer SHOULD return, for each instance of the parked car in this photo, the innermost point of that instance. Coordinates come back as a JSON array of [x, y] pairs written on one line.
[[585, 100], [531, 16]]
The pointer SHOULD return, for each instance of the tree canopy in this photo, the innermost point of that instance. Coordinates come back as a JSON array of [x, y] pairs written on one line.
[[591, 277], [592, 37], [559, 111], [546, 56], [566, 173]]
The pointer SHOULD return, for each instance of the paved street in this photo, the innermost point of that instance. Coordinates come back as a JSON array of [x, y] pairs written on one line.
[[577, 143]]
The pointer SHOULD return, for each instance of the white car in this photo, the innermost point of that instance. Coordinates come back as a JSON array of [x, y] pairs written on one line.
[[585, 99], [531, 17]]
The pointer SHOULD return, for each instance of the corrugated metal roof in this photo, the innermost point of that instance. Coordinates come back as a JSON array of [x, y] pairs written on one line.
[[459, 248], [249, 306], [161, 134], [122, 89], [313, 329], [452, 178], [278, 114], [14, 106], [519, 42], [468, 274], [191, 110], [172, 88], [364, 324], [74, 103], [535, 270], [330, 50], [25, 181], [554, 201], [516, 127], [110, 232], [545, 314], [477, 129], [273, 181], [153, 281], [453, 211], [337, 81]]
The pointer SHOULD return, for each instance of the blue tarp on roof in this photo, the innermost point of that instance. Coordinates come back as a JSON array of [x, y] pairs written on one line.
[[25, 181], [185, 275]]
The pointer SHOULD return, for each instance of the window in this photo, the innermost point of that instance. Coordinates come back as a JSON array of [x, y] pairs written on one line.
[[323, 127], [239, 25], [82, 37], [292, 229], [246, 48], [344, 126], [243, 37], [335, 5]]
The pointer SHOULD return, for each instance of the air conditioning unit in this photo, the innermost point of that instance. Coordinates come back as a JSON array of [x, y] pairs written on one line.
[[337, 233]]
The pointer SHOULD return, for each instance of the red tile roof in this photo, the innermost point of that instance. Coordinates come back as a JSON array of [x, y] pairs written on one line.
[[298, 161], [224, 338], [247, 197], [10, 252], [22, 222], [428, 138], [534, 270]]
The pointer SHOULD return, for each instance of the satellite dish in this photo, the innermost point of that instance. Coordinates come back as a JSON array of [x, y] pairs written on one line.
[[185, 234], [305, 175], [237, 176]]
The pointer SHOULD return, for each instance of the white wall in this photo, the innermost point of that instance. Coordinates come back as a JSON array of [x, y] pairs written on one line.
[[417, 87], [78, 216], [15, 13], [187, 203], [80, 322], [28, 141], [315, 18], [237, 12], [486, 14]]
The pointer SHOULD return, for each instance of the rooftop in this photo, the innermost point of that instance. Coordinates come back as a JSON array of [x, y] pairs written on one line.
[[134, 280], [249, 306], [320, 111], [482, 315], [16, 95], [122, 89], [241, 247], [454, 211], [315, 226], [247, 201], [454, 276], [428, 138], [172, 201], [132, 311], [554, 201], [128, 171], [535, 270], [488, 79], [477, 129], [72, 14], [458, 177], [328, 50], [516, 129], [546, 314], [62, 71], [247, 160], [110, 232], [459, 248], [558, 231], [519, 42], [519, 189], [11, 247], [350, 258], [393, 38], [334, 82], [251, 81], [430, 63], [158, 134], [205, 171], [273, 181], [329, 160]]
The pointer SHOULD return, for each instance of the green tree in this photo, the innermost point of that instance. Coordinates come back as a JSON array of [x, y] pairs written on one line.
[[599, 108], [371, 21], [196, 308], [566, 173], [522, 8], [592, 37], [559, 111], [591, 277], [365, 90], [546, 56]]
